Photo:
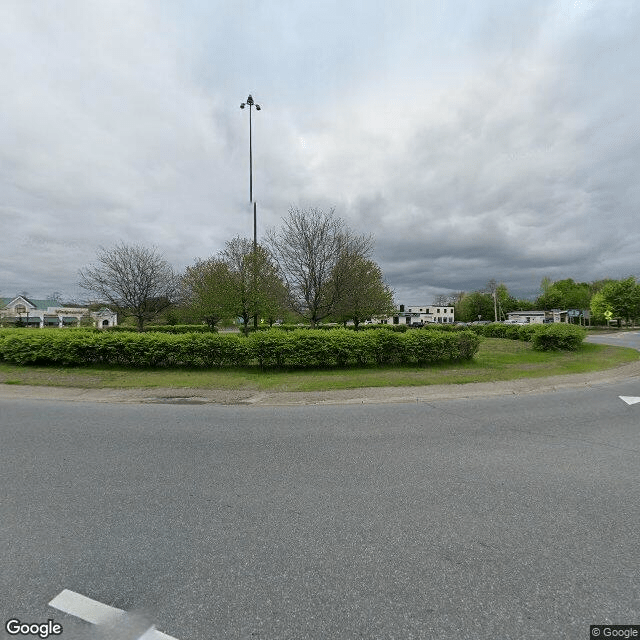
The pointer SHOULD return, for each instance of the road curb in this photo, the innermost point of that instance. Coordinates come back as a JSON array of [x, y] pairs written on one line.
[[368, 395]]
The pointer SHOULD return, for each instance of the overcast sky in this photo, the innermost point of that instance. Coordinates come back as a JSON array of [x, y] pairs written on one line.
[[475, 139]]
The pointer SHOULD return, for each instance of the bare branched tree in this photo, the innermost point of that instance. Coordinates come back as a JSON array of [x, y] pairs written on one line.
[[308, 248], [136, 280]]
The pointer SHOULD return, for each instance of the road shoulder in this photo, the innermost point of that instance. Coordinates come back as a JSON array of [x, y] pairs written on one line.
[[367, 395]]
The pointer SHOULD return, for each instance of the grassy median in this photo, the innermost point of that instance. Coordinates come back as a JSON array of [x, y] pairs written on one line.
[[497, 359]]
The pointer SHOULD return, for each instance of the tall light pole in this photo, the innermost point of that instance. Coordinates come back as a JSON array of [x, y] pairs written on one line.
[[250, 103]]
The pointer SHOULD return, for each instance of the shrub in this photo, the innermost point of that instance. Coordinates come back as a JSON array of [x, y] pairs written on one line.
[[546, 337], [309, 349], [558, 337], [300, 348], [389, 347], [527, 331], [433, 326], [467, 345], [270, 348], [181, 328]]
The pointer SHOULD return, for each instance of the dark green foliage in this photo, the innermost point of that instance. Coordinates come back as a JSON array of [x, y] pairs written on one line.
[[564, 294], [301, 348]]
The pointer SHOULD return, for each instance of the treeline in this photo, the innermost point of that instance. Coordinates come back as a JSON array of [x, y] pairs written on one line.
[[312, 269], [606, 300]]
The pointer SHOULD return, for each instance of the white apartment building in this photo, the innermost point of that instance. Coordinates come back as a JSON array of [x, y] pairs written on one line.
[[418, 315]]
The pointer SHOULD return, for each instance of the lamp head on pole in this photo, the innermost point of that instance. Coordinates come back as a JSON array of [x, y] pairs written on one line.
[[251, 103]]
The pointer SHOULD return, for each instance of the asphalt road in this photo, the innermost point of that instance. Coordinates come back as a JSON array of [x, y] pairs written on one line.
[[511, 517], [618, 339]]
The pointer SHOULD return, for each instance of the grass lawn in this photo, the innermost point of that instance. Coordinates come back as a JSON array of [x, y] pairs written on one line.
[[497, 359]]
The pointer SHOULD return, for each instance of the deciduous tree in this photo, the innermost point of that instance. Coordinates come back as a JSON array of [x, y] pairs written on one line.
[[475, 306], [622, 298], [136, 280], [564, 294], [240, 282], [364, 292], [255, 288], [308, 248], [205, 288]]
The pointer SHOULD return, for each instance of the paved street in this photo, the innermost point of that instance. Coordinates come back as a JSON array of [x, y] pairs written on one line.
[[504, 517], [618, 339]]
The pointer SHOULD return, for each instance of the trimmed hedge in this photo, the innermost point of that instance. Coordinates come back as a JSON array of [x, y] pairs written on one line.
[[301, 348], [559, 337], [332, 326], [544, 337], [163, 328]]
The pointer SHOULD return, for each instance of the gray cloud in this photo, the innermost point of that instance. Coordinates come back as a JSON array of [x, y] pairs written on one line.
[[474, 140]]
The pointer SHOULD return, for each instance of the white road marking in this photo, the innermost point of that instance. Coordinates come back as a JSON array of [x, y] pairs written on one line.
[[97, 613], [630, 399]]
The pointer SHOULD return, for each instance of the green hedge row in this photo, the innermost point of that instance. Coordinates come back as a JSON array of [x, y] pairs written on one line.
[[301, 348], [544, 337], [163, 328], [401, 328]]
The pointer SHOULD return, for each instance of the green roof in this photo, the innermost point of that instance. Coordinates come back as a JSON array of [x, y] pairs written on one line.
[[44, 304], [41, 305]]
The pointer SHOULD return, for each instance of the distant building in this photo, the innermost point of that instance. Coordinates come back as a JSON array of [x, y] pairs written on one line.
[[538, 317], [421, 315], [49, 313]]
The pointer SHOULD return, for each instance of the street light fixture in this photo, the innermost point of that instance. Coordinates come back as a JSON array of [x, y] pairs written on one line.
[[250, 103]]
